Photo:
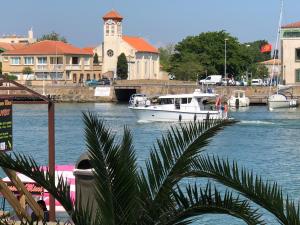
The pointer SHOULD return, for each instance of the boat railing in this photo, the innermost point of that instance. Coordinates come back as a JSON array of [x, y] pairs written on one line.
[[138, 100]]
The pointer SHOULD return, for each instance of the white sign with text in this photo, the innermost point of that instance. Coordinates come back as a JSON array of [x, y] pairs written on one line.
[[102, 91]]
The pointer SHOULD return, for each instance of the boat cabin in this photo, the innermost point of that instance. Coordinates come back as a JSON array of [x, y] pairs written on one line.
[[188, 101], [239, 94]]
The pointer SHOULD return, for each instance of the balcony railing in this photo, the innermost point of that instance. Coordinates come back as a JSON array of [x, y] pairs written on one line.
[[73, 67], [41, 67], [57, 67]]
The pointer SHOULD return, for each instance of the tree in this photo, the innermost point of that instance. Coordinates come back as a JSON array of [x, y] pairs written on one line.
[[96, 59], [27, 70], [209, 49], [165, 54], [53, 36], [126, 194], [122, 67], [0, 68], [188, 68], [260, 71]]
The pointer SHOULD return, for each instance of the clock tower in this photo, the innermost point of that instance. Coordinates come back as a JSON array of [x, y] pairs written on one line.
[[112, 37]]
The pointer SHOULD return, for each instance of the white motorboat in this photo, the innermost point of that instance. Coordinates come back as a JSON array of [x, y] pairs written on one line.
[[180, 107], [279, 100], [238, 99]]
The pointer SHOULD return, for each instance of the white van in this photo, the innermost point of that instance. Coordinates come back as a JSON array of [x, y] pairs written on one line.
[[257, 82], [212, 79]]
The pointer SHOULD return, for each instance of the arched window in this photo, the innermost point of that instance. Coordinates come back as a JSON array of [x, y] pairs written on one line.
[[137, 68], [146, 69], [112, 29], [119, 29], [107, 29]]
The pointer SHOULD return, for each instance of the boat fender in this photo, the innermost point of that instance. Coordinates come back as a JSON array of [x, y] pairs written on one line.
[[180, 118], [225, 108], [218, 102], [195, 118]]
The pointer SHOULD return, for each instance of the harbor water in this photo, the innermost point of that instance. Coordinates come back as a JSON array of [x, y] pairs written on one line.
[[262, 141]]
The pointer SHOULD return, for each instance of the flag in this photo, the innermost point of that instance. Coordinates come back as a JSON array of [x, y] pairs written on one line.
[[266, 48]]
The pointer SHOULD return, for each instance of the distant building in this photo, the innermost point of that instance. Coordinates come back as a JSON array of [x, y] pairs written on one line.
[[142, 57], [15, 39], [51, 61], [290, 53], [8, 47], [273, 66]]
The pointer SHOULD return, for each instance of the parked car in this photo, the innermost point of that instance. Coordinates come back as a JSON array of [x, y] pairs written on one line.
[[212, 79], [237, 83], [92, 83], [228, 82], [257, 82], [104, 81]]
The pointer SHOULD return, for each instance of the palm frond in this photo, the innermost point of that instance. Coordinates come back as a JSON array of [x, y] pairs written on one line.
[[115, 172], [264, 193], [193, 201], [172, 156]]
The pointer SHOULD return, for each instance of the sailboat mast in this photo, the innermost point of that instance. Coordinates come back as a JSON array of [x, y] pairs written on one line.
[[276, 52]]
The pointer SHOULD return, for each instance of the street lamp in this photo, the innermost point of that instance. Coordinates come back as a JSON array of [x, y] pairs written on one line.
[[225, 66]]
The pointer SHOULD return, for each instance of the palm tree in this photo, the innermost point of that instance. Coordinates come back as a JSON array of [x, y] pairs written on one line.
[[127, 194]]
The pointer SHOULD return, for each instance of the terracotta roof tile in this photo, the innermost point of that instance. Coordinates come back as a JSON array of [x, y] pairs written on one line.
[[90, 50], [49, 48], [292, 25], [112, 15], [9, 46], [140, 44]]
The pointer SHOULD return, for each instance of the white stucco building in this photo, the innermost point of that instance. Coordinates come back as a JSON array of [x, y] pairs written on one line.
[[290, 57], [142, 57], [18, 39]]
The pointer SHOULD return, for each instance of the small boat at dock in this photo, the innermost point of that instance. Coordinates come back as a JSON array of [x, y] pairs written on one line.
[[238, 99]]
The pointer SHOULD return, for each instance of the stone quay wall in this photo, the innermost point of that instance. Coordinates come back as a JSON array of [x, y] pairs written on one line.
[[152, 88]]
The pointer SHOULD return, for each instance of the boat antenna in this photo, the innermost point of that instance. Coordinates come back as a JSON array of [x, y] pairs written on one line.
[[276, 52]]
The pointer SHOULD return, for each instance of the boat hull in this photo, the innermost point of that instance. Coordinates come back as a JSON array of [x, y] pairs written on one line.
[[277, 101], [146, 114], [282, 104], [238, 102]]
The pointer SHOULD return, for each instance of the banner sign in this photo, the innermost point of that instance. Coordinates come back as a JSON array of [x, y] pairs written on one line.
[[102, 91], [33, 188], [5, 125]]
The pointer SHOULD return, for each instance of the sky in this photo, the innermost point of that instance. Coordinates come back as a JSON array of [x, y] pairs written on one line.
[[161, 22]]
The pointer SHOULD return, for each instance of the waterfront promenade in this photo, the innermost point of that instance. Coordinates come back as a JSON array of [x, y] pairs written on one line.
[[81, 93]]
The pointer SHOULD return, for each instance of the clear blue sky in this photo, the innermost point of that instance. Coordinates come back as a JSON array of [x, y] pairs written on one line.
[[159, 21]]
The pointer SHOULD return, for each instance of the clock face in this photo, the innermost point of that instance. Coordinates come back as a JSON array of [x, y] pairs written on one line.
[[110, 52]]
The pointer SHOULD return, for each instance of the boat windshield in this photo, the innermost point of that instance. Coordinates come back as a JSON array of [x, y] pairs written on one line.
[[166, 101], [206, 103]]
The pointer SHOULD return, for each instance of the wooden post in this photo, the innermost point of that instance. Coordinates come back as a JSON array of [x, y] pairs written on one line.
[[51, 139], [23, 191], [13, 201]]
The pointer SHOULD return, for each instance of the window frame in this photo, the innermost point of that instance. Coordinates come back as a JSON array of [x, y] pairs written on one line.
[[297, 57], [12, 62], [44, 63], [297, 75], [29, 57]]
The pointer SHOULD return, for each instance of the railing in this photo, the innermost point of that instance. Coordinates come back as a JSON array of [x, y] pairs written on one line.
[[57, 67], [87, 67], [73, 67], [41, 68]]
